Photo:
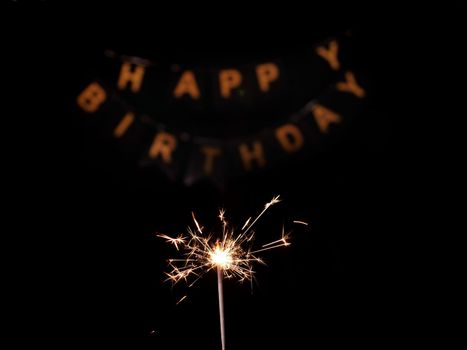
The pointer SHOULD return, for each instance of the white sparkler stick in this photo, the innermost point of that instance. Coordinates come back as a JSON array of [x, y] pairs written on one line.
[[221, 305]]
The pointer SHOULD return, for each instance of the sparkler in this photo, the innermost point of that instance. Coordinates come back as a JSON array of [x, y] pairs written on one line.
[[231, 255]]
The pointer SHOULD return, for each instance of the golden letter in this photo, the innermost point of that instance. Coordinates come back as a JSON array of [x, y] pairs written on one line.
[[132, 76], [124, 124], [351, 85], [187, 85], [266, 74], [324, 117], [164, 144], [91, 98], [330, 54], [290, 137], [249, 155], [210, 153], [228, 80]]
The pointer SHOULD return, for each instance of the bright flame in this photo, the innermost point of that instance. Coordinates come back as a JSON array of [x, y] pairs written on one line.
[[221, 258], [232, 252]]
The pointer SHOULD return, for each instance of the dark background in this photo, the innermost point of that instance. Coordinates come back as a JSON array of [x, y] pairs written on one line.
[[354, 276]]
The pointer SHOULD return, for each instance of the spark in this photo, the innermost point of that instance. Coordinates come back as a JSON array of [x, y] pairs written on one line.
[[196, 223], [183, 298], [282, 242], [174, 241], [273, 201], [231, 252], [300, 222], [246, 223]]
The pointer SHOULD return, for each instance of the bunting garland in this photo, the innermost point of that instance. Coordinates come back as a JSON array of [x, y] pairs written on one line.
[[142, 106]]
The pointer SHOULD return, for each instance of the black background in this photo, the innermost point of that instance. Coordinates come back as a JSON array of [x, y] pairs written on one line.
[[94, 270]]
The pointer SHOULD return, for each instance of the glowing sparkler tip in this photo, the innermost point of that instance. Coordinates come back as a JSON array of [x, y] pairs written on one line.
[[221, 257], [231, 253]]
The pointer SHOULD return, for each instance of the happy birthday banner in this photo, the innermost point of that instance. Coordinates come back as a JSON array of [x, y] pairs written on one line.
[[142, 105]]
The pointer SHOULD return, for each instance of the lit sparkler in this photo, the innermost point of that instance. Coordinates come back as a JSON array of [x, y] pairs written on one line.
[[231, 254]]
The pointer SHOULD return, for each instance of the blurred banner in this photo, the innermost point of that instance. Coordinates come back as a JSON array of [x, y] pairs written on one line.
[[168, 116]]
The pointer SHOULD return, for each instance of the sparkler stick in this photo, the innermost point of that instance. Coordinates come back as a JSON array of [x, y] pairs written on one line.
[[221, 305], [231, 255]]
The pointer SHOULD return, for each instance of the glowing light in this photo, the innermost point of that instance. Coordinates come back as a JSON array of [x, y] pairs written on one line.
[[221, 258], [232, 251], [229, 252]]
